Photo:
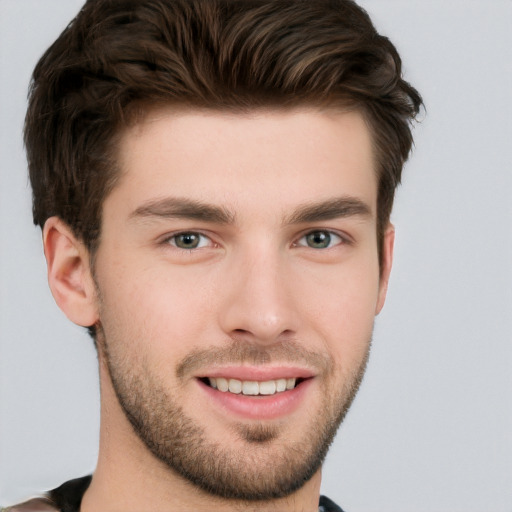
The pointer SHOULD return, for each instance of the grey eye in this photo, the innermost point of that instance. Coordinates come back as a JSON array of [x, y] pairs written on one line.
[[188, 240], [320, 240]]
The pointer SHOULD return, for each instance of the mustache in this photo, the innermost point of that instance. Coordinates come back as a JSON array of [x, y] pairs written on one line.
[[242, 352]]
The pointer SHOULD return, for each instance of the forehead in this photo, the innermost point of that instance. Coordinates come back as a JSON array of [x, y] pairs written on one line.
[[241, 159]]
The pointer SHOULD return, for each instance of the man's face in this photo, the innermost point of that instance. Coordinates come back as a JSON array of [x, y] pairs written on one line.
[[238, 279]]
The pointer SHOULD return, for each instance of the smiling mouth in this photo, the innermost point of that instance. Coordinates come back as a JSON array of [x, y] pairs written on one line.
[[252, 387]]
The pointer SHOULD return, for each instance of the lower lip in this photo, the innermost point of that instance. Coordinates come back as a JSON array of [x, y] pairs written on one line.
[[258, 407]]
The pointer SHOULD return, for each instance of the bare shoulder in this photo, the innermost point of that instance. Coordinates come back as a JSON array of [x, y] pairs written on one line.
[[33, 505]]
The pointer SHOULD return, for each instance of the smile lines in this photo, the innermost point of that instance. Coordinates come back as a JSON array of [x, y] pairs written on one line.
[[250, 387]]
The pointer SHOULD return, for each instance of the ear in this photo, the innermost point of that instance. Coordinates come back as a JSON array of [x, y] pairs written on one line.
[[388, 243], [69, 273]]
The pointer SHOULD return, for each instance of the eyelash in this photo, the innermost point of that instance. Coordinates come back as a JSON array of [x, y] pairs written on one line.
[[171, 240], [340, 239]]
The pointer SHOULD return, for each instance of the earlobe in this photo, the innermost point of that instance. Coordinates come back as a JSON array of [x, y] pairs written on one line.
[[387, 262], [69, 273]]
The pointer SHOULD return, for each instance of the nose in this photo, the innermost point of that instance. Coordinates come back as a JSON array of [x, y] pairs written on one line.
[[259, 306]]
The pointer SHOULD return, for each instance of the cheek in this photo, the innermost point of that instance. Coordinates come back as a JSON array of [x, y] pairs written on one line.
[[341, 308], [153, 312]]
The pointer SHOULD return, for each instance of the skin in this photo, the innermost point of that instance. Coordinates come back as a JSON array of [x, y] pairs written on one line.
[[256, 295]]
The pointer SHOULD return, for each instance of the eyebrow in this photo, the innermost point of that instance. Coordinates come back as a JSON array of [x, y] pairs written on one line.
[[339, 207], [180, 208]]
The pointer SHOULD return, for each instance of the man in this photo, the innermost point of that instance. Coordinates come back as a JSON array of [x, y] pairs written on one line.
[[214, 181]]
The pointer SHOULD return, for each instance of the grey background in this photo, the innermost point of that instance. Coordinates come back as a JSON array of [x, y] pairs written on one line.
[[431, 429]]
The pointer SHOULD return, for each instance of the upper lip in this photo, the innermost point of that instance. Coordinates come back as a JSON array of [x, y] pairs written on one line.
[[258, 373]]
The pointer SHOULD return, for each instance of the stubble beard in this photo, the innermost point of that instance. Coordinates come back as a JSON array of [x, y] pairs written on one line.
[[270, 467]]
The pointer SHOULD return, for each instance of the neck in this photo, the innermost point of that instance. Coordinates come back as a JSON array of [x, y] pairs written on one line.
[[129, 478]]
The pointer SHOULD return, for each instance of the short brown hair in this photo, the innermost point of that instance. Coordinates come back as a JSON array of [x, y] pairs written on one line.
[[119, 56]]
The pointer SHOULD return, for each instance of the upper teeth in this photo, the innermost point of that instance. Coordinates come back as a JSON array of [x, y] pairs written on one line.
[[251, 387]]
